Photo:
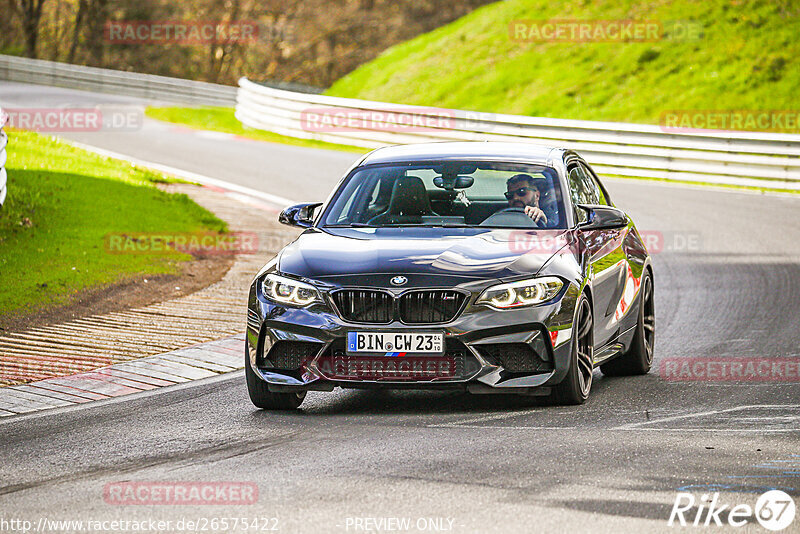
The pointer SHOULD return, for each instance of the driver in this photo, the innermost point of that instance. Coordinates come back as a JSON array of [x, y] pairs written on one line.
[[523, 191]]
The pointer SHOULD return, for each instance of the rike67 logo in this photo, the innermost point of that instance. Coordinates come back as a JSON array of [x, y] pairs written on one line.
[[774, 510]]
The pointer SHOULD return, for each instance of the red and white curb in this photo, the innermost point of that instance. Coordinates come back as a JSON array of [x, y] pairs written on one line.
[[183, 365]]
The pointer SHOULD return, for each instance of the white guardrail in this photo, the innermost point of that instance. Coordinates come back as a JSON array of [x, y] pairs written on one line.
[[731, 158], [148, 86]]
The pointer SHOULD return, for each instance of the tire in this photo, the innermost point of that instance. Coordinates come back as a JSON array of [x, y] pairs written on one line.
[[639, 358], [263, 398], [575, 387]]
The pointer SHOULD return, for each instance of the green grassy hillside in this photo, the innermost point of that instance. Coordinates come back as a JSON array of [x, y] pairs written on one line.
[[747, 57]]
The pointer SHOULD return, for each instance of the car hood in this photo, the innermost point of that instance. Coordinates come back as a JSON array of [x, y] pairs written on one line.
[[426, 256]]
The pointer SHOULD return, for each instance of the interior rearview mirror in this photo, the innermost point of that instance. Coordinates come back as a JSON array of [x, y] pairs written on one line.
[[460, 182]]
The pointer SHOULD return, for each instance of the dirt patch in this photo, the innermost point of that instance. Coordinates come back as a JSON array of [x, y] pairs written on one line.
[[130, 293]]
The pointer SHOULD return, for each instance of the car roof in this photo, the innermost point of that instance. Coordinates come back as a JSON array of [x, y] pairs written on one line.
[[458, 150]]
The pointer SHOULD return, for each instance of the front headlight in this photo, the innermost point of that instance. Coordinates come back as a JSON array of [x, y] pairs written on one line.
[[523, 293], [288, 291]]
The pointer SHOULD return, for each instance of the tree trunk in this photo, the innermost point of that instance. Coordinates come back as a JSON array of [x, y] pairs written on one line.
[[76, 31], [30, 12], [97, 14]]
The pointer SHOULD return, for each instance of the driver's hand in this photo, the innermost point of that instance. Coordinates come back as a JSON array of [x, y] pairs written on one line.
[[536, 214]]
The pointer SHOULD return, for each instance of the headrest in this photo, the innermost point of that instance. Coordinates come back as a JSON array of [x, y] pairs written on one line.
[[409, 197]]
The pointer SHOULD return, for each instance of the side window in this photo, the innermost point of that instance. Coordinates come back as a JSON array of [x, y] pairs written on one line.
[[591, 182], [579, 192]]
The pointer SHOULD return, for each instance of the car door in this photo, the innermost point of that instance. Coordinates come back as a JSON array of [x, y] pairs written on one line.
[[607, 265]]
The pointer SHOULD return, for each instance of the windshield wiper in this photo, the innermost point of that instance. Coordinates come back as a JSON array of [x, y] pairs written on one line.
[[438, 225], [398, 225], [350, 225]]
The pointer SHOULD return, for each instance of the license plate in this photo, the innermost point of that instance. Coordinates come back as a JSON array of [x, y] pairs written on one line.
[[394, 343]]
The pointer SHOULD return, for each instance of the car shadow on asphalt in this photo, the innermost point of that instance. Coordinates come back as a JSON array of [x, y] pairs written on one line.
[[420, 402]]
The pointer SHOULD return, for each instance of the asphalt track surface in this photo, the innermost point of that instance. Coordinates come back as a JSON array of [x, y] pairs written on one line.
[[727, 286]]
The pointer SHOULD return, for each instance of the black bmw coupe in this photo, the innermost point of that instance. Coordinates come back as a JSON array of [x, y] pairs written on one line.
[[481, 267]]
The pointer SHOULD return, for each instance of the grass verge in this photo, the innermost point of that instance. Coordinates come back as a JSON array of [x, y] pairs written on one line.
[[733, 187], [62, 203]]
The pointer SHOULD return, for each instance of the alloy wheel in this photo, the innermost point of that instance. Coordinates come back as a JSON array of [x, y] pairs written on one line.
[[585, 346]]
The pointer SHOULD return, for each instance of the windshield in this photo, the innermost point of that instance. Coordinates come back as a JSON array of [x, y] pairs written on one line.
[[460, 193]]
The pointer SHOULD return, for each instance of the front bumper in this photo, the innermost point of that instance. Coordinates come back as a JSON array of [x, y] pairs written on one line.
[[517, 351]]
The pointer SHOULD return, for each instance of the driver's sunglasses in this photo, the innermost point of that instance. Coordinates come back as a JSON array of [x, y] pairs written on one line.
[[521, 192]]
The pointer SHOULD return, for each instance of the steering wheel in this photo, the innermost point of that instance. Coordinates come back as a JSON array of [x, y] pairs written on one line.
[[537, 224], [510, 217]]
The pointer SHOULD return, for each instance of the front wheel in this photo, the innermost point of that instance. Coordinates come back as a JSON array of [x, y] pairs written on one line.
[[639, 357], [263, 398], [575, 387]]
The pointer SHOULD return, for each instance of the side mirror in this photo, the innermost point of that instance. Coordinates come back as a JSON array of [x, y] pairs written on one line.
[[301, 215], [603, 218]]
